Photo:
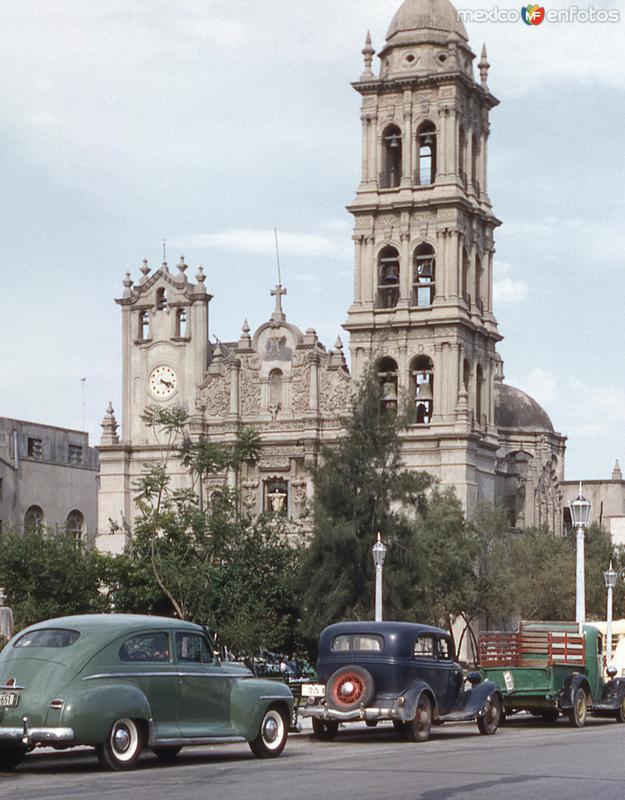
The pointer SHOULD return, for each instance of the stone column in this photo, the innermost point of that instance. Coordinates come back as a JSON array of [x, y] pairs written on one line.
[[441, 142], [313, 395], [454, 263], [235, 377], [365, 137], [408, 144], [405, 271], [369, 269], [357, 269]]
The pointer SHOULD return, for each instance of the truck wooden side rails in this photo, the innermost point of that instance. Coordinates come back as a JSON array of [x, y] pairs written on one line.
[[548, 668]]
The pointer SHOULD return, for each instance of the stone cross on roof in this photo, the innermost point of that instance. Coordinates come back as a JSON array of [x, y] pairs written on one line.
[[278, 313]]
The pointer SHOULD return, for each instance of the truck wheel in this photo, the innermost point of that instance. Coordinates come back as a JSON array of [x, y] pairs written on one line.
[[418, 729], [577, 714], [324, 729], [550, 716], [620, 711], [490, 719], [349, 688], [10, 757]]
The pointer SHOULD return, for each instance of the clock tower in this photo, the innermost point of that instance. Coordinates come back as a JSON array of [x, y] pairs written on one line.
[[423, 232]]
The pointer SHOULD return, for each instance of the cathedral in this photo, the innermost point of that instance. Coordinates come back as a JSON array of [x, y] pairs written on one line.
[[421, 313]]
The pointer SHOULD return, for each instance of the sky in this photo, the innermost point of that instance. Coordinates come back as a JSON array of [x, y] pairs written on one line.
[[126, 122]]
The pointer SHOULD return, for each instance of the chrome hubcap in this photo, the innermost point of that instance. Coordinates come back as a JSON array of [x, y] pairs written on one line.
[[271, 729], [347, 688], [121, 738]]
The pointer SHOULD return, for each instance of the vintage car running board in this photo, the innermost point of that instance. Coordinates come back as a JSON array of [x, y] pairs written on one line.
[[196, 740]]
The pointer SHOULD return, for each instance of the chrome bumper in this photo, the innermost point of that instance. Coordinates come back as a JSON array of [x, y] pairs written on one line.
[[323, 712], [27, 735]]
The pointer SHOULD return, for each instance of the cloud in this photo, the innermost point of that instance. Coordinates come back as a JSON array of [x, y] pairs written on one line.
[[262, 242], [505, 288]]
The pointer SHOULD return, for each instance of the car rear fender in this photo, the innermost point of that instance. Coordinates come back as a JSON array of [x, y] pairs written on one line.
[[250, 699], [614, 692], [92, 709], [572, 683], [473, 700], [413, 694]]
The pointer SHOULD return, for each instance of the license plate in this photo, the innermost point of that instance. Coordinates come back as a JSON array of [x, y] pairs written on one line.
[[9, 699], [509, 680], [313, 690]]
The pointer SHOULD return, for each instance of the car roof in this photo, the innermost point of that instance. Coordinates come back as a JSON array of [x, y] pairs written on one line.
[[403, 629]]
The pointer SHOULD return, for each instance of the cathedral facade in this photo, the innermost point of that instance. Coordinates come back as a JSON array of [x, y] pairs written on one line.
[[422, 315]]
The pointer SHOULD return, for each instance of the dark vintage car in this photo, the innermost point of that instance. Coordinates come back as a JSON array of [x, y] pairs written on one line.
[[125, 682], [398, 671]]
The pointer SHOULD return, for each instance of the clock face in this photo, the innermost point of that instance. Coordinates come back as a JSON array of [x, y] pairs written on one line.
[[163, 382]]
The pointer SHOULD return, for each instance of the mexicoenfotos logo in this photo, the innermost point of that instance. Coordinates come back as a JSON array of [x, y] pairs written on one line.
[[533, 15]]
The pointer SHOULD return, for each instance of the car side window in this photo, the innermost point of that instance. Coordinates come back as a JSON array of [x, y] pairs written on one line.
[[191, 648], [144, 647], [444, 649], [424, 647]]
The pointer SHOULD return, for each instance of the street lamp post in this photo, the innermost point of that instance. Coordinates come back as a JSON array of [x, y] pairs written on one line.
[[580, 512], [610, 577], [379, 553]]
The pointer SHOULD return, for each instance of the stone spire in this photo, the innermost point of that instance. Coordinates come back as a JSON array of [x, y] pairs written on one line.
[[109, 427], [245, 341], [368, 53], [483, 67], [617, 475]]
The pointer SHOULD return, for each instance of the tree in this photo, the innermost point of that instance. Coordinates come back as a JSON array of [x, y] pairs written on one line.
[[50, 574], [361, 487]]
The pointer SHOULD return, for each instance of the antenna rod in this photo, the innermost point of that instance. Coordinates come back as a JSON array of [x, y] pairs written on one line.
[[275, 233], [164, 250]]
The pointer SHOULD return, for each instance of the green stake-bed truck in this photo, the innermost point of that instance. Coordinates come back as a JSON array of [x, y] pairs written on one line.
[[549, 668]]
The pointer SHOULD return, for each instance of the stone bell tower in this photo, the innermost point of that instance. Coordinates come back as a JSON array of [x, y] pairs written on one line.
[[422, 310]]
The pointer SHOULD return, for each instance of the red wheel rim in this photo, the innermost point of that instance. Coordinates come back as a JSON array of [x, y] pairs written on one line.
[[348, 689]]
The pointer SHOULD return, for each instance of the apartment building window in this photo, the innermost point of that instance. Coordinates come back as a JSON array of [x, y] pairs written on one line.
[[75, 454], [35, 447]]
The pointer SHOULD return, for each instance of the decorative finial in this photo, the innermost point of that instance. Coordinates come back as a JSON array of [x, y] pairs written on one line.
[[144, 269], [483, 67], [368, 53], [200, 277], [127, 284], [245, 341], [218, 352], [617, 475], [278, 313], [338, 344], [109, 427], [181, 265]]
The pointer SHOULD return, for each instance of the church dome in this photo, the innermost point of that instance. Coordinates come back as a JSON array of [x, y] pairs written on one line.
[[515, 409], [419, 15]]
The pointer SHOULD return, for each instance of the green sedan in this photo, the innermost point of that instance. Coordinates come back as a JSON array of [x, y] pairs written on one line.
[[121, 683]]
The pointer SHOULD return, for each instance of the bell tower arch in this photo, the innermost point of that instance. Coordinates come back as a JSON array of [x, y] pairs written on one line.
[[423, 236]]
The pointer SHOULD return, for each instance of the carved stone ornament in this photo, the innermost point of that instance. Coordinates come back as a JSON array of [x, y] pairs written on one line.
[[335, 392], [215, 397], [250, 391], [300, 389]]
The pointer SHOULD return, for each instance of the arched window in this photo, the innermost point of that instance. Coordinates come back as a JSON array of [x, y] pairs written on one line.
[[466, 375], [275, 388], [465, 277], [390, 176], [462, 155], [422, 388], [161, 299], [479, 391], [475, 151], [426, 142], [388, 278], [181, 322], [33, 519], [388, 381], [144, 325], [75, 524], [424, 276]]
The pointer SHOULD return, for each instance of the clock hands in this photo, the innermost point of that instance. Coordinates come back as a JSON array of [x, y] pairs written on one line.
[[168, 384]]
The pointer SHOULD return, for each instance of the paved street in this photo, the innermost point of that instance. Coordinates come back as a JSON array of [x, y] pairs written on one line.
[[524, 759]]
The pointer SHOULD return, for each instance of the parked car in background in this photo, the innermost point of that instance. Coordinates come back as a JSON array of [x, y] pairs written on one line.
[[121, 683], [397, 671], [552, 668]]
